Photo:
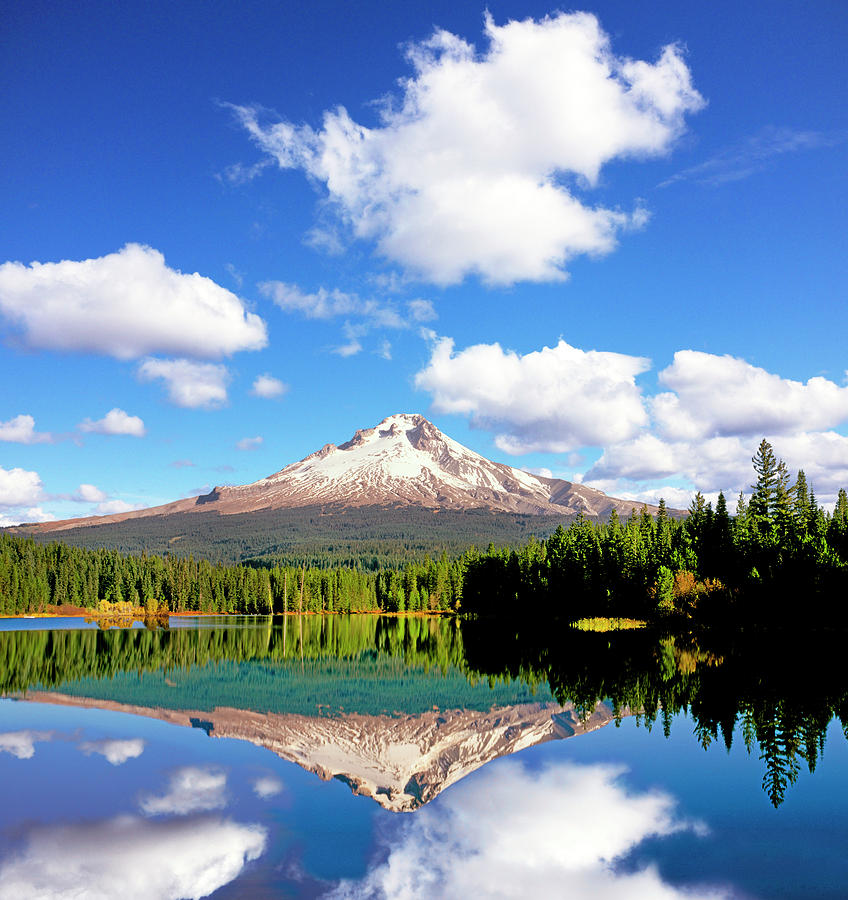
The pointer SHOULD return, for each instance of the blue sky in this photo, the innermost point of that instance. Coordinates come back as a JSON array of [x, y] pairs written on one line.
[[608, 244]]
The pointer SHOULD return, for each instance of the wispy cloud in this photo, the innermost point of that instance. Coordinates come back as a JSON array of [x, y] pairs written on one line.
[[111, 507], [754, 154], [362, 315], [352, 334], [328, 304]]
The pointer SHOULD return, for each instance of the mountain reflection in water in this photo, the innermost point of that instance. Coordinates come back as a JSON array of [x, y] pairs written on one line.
[[400, 708]]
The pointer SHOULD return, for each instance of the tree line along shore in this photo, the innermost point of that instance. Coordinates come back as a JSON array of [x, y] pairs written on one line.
[[37, 577], [779, 550]]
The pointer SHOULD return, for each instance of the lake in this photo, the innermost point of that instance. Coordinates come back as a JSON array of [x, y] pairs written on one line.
[[370, 756]]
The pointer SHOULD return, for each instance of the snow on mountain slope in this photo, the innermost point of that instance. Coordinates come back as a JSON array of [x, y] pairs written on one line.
[[400, 761], [405, 460]]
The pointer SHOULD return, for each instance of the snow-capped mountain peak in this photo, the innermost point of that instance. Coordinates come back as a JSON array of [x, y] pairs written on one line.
[[403, 461]]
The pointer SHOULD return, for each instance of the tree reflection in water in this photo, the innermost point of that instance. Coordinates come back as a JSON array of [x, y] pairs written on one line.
[[775, 691]]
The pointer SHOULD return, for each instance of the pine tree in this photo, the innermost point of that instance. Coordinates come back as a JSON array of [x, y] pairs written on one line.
[[840, 512], [766, 486], [721, 525], [662, 542], [784, 502], [802, 500]]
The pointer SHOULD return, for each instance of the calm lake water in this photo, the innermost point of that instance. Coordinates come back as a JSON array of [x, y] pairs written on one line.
[[414, 757]]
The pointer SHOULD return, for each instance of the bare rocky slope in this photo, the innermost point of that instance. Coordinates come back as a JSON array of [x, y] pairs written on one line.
[[401, 761], [403, 461]]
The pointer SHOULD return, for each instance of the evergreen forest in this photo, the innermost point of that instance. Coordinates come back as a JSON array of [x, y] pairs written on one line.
[[779, 557], [34, 577]]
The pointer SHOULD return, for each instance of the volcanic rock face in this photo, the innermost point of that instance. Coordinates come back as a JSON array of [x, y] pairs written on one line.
[[401, 762], [405, 460]]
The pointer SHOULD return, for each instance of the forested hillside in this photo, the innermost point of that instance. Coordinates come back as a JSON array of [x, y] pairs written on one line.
[[367, 537]]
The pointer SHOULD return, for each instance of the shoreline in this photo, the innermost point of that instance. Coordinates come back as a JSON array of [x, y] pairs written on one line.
[[76, 612]]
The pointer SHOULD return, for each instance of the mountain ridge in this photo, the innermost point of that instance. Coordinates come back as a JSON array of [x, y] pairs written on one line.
[[404, 460]]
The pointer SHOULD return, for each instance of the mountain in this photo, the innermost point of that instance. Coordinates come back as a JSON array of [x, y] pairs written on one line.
[[400, 761], [404, 461]]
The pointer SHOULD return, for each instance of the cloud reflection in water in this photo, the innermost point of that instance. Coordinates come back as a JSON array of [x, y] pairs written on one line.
[[267, 786], [512, 832], [192, 789], [22, 743], [131, 858], [115, 751]]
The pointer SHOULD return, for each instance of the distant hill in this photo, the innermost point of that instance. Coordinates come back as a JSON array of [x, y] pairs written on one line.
[[369, 536]]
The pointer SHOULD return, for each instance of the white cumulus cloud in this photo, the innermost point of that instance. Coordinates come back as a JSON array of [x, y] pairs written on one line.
[[130, 858], [475, 168], [249, 443], [19, 487], [190, 384], [823, 456], [554, 399], [705, 430], [719, 464], [698, 434], [268, 387], [510, 832], [191, 789], [89, 493], [722, 395], [33, 514], [21, 430], [116, 421], [116, 751], [126, 304]]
